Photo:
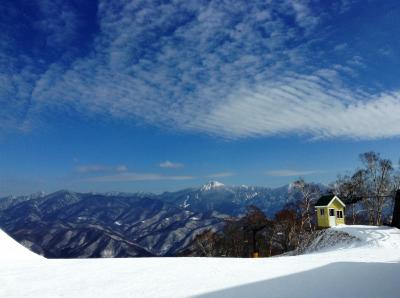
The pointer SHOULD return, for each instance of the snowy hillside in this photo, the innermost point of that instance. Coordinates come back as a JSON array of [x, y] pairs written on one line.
[[11, 250], [368, 266]]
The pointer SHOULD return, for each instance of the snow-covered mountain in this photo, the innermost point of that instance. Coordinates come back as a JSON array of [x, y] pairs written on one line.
[[366, 266], [67, 224], [212, 185], [13, 200], [231, 200]]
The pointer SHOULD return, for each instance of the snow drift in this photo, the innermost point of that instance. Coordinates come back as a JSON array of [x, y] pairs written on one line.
[[11, 250], [369, 266]]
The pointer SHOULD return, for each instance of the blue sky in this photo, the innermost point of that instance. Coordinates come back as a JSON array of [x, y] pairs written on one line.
[[161, 95]]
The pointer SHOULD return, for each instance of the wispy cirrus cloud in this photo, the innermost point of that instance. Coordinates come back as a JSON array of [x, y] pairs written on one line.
[[238, 70], [98, 168], [220, 175], [171, 165], [131, 176], [316, 105], [291, 172]]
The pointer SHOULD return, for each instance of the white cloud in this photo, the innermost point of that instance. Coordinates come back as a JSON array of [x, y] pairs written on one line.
[[171, 165], [121, 168], [220, 175], [97, 168], [303, 14], [313, 105], [155, 63], [59, 21], [290, 173], [236, 71], [131, 176], [341, 47]]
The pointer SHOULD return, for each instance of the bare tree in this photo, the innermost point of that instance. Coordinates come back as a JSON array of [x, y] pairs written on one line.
[[286, 229], [205, 243], [254, 222], [374, 184], [350, 189], [378, 184], [309, 193], [249, 234], [396, 211], [233, 239]]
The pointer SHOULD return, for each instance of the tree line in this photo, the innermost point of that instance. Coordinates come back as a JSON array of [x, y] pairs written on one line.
[[369, 190], [254, 234], [368, 193]]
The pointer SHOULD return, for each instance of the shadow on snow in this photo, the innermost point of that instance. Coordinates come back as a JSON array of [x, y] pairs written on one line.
[[344, 279]]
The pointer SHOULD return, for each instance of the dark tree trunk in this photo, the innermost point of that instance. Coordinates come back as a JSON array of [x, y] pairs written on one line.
[[396, 211], [254, 242]]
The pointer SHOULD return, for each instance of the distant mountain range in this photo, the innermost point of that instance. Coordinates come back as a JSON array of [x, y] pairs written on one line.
[[231, 200], [68, 224]]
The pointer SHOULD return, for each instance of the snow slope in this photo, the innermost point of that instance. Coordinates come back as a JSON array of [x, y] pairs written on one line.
[[368, 267], [11, 250]]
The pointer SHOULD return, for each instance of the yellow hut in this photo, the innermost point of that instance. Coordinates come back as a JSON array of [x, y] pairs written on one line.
[[330, 211]]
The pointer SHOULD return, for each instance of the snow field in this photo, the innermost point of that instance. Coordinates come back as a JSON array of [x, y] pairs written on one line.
[[367, 268]]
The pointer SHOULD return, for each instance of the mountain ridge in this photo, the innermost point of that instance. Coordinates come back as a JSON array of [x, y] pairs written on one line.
[[66, 224]]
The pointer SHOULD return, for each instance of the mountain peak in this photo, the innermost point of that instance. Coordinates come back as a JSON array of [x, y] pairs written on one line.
[[212, 185], [38, 194]]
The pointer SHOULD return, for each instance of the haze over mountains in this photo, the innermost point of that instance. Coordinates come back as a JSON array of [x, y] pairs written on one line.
[[68, 224]]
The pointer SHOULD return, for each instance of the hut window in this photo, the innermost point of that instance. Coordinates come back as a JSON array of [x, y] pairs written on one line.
[[321, 211], [331, 212], [339, 214]]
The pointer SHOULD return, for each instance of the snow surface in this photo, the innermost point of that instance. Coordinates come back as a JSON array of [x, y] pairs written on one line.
[[368, 267], [211, 185], [11, 250]]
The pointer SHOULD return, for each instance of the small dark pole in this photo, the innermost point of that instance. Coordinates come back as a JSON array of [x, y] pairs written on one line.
[[396, 211], [254, 231], [254, 243]]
